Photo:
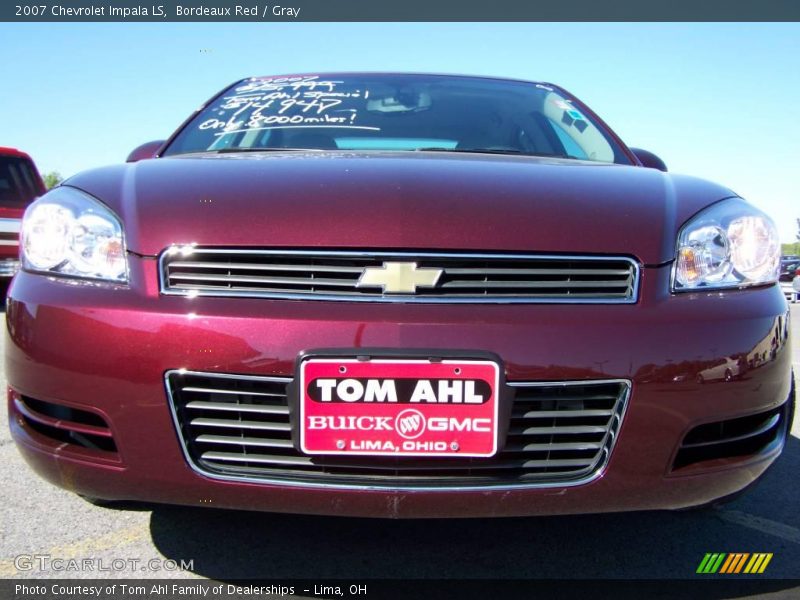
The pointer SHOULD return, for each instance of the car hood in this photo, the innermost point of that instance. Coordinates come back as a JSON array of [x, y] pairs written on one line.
[[400, 200]]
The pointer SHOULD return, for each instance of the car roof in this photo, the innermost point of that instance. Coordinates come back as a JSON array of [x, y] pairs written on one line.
[[401, 73], [6, 151]]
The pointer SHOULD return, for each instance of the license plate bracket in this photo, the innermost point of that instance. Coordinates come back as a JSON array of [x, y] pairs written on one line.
[[399, 404]]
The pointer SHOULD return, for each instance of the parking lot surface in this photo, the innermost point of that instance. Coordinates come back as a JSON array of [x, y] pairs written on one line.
[[37, 518]]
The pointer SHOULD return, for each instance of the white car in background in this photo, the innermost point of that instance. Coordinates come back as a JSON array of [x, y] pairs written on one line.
[[724, 370], [795, 288], [790, 280], [790, 277]]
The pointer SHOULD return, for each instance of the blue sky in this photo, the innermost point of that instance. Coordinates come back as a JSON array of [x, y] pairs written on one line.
[[713, 100]]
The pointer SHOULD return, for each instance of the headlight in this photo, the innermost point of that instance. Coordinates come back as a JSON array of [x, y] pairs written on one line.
[[730, 244], [68, 232]]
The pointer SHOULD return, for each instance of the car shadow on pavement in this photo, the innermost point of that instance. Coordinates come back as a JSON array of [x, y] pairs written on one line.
[[228, 545]]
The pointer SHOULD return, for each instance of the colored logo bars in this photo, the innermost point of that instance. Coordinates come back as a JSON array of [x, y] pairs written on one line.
[[734, 562]]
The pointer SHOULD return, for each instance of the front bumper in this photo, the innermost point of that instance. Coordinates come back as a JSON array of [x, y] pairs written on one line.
[[106, 349]]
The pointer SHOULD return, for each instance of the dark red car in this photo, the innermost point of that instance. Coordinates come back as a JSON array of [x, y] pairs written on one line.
[[20, 183], [398, 295]]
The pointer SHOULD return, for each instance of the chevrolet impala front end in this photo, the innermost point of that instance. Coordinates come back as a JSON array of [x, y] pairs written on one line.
[[398, 296]]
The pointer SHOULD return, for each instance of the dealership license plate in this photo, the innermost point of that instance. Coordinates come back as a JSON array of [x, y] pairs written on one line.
[[398, 407]]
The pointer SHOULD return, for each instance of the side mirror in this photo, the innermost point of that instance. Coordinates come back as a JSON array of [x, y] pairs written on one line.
[[648, 159], [148, 150]]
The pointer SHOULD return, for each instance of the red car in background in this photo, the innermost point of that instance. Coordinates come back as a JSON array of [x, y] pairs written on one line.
[[398, 295], [20, 184]]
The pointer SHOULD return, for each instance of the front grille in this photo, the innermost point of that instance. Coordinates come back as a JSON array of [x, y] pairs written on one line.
[[9, 232], [8, 267], [9, 238], [322, 275], [740, 437], [236, 426]]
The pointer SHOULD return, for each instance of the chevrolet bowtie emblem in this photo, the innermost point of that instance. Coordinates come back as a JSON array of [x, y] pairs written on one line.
[[399, 277]]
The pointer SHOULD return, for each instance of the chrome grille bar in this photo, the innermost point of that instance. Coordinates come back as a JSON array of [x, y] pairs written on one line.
[[335, 275], [239, 424], [239, 427], [243, 441], [274, 410]]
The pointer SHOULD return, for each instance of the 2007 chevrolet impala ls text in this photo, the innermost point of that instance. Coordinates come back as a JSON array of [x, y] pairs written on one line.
[[398, 295]]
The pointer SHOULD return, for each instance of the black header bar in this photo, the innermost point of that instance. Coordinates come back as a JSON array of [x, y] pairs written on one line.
[[252, 11], [372, 589]]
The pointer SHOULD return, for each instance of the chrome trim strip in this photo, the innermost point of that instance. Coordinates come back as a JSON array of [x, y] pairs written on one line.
[[229, 392], [246, 425], [231, 407], [604, 458], [9, 267], [8, 225], [395, 298], [207, 438]]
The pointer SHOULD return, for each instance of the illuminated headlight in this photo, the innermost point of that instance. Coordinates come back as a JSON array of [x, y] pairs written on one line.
[[67, 232], [731, 244]]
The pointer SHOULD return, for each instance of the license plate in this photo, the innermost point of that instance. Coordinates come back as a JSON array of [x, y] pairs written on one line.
[[395, 407]]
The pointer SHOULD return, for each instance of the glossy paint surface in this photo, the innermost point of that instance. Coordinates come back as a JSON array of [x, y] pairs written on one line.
[[400, 200]]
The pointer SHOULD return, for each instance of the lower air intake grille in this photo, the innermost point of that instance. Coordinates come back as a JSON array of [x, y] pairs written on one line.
[[743, 436], [239, 426], [397, 276], [64, 424]]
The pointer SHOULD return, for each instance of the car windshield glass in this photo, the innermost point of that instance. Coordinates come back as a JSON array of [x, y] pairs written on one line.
[[396, 113], [17, 182]]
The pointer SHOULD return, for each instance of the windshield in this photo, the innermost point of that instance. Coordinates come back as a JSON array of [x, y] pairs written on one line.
[[18, 182], [396, 113]]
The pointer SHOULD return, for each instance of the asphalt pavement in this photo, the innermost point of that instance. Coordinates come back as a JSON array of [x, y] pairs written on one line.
[[39, 519]]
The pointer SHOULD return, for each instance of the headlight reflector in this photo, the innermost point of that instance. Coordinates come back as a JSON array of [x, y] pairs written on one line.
[[730, 244], [45, 233], [68, 232]]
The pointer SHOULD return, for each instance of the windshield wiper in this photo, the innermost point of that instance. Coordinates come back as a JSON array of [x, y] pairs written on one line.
[[264, 149], [493, 151], [428, 149]]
